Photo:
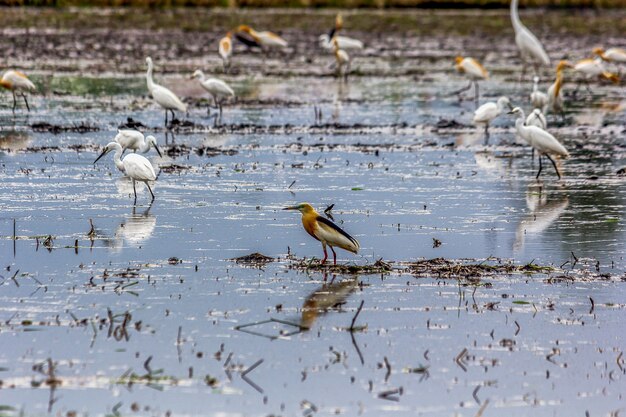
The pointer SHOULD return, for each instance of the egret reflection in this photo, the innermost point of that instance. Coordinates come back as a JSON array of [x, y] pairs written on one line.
[[326, 297]]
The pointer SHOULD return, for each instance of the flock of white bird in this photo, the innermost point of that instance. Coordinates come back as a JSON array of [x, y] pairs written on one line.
[[533, 128]]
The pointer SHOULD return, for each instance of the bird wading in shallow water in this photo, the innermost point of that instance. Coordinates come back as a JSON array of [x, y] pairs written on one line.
[[218, 89], [136, 167], [611, 54], [226, 50], [342, 60], [593, 68], [474, 71], [324, 230], [539, 139], [555, 93], [486, 113], [135, 140], [530, 48], [17, 82], [163, 96], [538, 99]]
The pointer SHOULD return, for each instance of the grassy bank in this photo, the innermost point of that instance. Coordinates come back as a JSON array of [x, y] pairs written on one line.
[[315, 3]]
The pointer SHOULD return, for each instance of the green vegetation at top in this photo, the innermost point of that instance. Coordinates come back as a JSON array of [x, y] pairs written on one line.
[[314, 3]]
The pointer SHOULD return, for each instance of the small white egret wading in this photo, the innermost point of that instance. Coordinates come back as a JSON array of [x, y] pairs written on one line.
[[135, 166], [163, 96], [538, 99], [539, 139], [17, 82], [486, 113], [218, 89], [134, 140]]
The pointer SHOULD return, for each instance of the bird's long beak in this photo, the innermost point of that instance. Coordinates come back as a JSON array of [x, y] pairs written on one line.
[[158, 151], [511, 112], [291, 208], [104, 152]]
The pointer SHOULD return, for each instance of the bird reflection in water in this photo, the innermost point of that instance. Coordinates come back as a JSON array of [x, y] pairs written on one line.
[[327, 297], [135, 230], [12, 141], [543, 209]]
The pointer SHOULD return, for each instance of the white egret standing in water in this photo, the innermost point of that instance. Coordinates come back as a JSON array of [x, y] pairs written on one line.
[[539, 139], [486, 113], [538, 99], [135, 166], [218, 89], [530, 48], [135, 140], [163, 96]]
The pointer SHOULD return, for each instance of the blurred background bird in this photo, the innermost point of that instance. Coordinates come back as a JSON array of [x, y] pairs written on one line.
[[163, 96], [611, 54], [474, 71], [324, 230], [17, 82], [226, 50], [217, 88], [594, 68], [538, 99], [555, 93], [342, 59], [531, 50], [486, 113], [267, 40]]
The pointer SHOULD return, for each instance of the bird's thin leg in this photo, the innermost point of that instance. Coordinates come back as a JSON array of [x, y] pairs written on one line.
[[462, 89], [173, 115], [532, 156], [554, 164], [14, 102], [26, 101], [150, 189], [521, 77], [325, 253], [477, 94], [135, 191], [220, 104], [334, 255], [165, 117], [588, 87], [487, 134], [540, 167]]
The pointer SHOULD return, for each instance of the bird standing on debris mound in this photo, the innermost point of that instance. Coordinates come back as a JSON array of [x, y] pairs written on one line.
[[539, 139], [530, 48], [17, 82], [135, 166], [474, 71], [325, 231], [163, 96]]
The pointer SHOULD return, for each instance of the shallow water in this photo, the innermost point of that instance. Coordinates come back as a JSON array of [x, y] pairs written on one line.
[[513, 344]]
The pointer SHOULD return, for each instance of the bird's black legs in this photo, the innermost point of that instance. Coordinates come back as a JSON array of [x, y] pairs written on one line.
[[134, 191], [463, 89], [173, 115], [334, 255], [487, 134], [165, 117], [532, 156], [540, 167], [150, 189], [14, 102], [26, 101], [477, 95], [554, 164]]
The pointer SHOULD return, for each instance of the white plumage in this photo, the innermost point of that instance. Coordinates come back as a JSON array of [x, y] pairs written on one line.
[[536, 118], [612, 54], [163, 96], [538, 99], [17, 82], [218, 89], [486, 113], [529, 46], [345, 43], [134, 140]]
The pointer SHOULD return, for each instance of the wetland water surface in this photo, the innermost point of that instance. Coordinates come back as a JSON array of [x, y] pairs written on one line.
[[146, 313]]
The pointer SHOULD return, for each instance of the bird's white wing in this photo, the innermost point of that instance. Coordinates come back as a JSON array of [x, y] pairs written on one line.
[[129, 138], [544, 142], [167, 99], [530, 47], [218, 87], [138, 168], [349, 43], [538, 99], [18, 80], [486, 113], [271, 39]]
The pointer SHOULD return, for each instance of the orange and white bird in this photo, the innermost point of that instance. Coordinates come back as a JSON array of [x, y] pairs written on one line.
[[324, 230], [611, 54], [343, 60], [592, 68], [473, 70], [17, 82], [267, 40], [226, 49], [555, 93], [530, 48]]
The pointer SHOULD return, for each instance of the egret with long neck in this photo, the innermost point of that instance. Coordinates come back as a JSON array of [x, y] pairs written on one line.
[[530, 48], [163, 96]]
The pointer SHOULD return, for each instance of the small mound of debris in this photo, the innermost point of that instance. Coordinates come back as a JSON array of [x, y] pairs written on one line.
[[56, 129], [132, 124], [446, 268], [449, 124], [255, 258], [172, 168], [210, 151], [313, 264]]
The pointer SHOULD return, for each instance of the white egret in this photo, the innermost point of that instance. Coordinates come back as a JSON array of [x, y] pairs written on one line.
[[538, 99], [218, 89], [536, 118], [555, 94], [530, 48], [539, 139], [163, 96], [267, 40], [611, 54], [486, 113], [345, 43], [135, 140], [226, 49], [17, 82], [343, 60], [473, 70], [136, 167]]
